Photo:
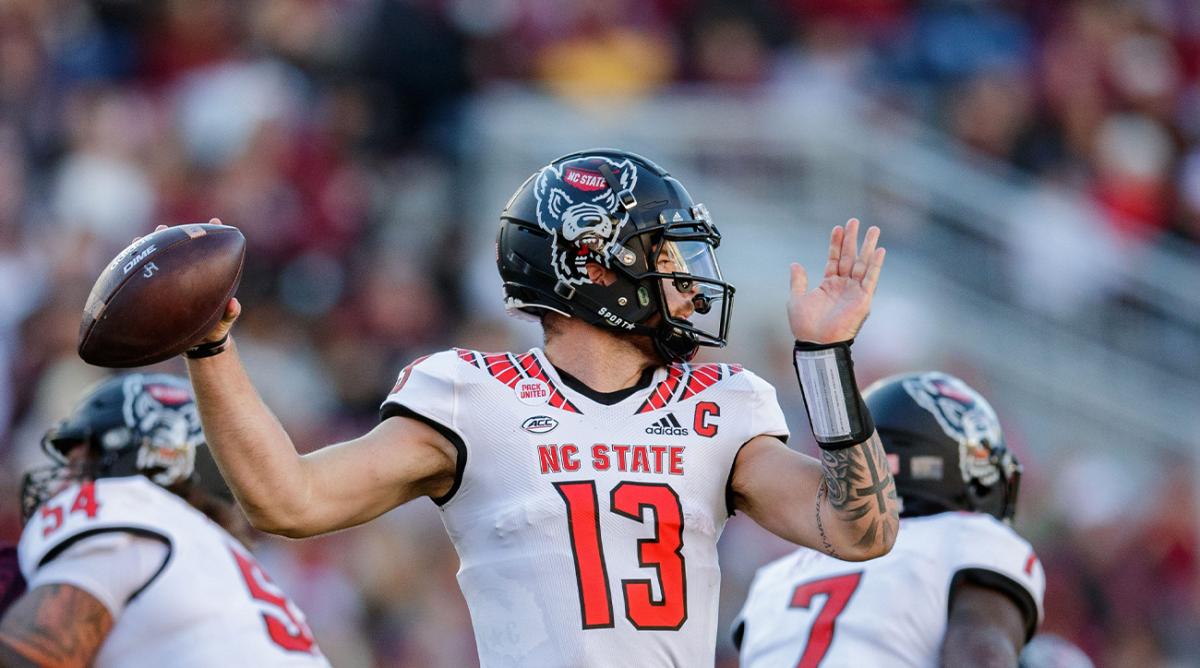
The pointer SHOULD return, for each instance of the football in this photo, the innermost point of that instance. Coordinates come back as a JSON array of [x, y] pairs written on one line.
[[161, 295]]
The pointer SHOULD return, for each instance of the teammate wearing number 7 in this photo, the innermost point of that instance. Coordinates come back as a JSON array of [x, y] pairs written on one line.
[[972, 587], [585, 485]]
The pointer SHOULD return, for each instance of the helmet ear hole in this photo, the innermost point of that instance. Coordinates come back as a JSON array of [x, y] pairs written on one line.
[[116, 438]]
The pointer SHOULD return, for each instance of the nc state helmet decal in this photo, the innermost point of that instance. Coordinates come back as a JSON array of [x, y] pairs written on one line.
[[966, 417], [579, 210], [170, 424]]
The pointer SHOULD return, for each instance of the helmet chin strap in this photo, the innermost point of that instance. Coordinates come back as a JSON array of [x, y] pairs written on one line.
[[673, 345]]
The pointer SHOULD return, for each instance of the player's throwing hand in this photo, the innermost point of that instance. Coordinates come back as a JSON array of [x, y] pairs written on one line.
[[232, 310]]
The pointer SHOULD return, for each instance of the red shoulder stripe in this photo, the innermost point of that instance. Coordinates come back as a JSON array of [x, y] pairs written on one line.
[[469, 356], [533, 368], [502, 368], [663, 392], [704, 376]]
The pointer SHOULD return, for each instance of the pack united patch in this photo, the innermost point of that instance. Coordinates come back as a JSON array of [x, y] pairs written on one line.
[[524, 374]]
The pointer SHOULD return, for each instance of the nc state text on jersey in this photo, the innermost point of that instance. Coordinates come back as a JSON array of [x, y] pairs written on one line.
[[660, 459]]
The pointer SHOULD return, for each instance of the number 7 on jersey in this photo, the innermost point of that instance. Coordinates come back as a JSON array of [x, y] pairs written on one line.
[[837, 590]]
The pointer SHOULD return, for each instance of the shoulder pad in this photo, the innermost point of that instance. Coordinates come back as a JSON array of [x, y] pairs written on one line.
[[427, 386], [979, 542]]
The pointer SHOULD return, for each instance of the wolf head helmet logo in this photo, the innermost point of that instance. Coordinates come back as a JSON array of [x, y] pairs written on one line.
[[574, 198], [965, 416]]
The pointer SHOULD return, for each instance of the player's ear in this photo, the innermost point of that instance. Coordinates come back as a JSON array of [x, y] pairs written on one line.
[[600, 275]]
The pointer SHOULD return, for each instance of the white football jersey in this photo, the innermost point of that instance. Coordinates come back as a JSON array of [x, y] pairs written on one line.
[[809, 609], [586, 525], [210, 604]]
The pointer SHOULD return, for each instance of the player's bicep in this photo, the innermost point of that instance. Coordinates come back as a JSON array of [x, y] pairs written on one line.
[[399, 460], [776, 487], [985, 628], [55, 625]]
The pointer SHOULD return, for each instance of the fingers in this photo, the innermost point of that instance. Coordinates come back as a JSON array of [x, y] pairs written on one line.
[[233, 309], [799, 279], [835, 250], [849, 248], [863, 261], [871, 279], [846, 260], [157, 229]]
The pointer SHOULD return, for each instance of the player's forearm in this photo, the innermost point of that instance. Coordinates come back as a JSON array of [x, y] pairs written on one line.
[[857, 510], [978, 648], [54, 626], [253, 451]]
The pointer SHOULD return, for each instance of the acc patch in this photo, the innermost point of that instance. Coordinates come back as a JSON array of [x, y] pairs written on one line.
[[539, 424]]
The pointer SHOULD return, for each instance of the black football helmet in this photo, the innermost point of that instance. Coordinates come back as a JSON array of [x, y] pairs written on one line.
[[624, 213], [945, 446], [132, 424]]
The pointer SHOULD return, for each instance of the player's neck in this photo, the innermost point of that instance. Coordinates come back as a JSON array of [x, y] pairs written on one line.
[[603, 361]]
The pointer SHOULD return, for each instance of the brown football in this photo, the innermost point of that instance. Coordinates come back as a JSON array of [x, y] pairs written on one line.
[[161, 295]]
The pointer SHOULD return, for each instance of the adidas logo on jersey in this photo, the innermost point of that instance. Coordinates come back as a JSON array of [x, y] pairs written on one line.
[[667, 426]]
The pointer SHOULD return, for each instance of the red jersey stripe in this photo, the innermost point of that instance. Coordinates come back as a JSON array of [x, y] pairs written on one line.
[[661, 395], [704, 376], [469, 356], [502, 368]]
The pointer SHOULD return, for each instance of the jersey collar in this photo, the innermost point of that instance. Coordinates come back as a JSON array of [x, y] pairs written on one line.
[[603, 398]]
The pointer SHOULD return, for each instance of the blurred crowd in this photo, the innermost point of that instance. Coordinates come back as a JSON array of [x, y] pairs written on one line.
[[329, 132]]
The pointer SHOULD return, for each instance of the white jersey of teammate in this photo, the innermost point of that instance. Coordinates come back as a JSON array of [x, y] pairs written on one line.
[[808, 609], [209, 604], [586, 525]]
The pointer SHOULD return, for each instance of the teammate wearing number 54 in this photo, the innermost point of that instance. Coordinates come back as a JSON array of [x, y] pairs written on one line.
[[585, 485], [125, 548]]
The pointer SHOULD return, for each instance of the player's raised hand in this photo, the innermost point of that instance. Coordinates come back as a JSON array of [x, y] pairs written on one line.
[[836, 309]]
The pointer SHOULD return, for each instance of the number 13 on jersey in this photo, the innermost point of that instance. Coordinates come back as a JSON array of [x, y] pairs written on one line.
[[663, 553]]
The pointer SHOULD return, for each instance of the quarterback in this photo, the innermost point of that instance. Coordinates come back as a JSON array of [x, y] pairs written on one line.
[[971, 587], [128, 551], [584, 485]]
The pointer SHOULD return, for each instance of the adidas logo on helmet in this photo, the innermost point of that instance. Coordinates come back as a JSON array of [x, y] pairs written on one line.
[[667, 426]]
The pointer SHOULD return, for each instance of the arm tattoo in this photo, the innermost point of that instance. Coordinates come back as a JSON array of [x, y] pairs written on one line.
[[860, 486], [54, 625], [822, 492]]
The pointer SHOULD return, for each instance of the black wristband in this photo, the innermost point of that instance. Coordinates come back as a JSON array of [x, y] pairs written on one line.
[[199, 352], [836, 412]]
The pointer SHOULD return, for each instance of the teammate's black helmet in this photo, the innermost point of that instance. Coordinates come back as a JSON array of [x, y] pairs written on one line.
[[624, 213], [135, 423], [945, 446]]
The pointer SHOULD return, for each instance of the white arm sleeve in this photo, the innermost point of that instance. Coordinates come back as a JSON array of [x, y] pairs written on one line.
[[112, 566]]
